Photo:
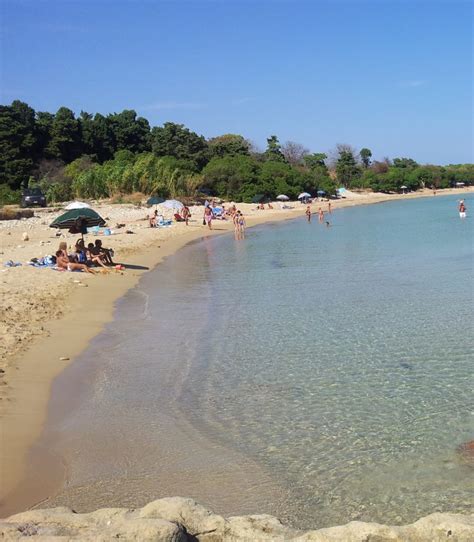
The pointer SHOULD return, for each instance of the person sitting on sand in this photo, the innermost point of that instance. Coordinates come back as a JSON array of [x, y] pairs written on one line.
[[63, 249], [107, 252], [270, 206], [80, 255], [95, 256], [63, 263]]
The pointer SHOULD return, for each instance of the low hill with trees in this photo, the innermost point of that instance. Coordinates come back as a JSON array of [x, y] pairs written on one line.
[[97, 156]]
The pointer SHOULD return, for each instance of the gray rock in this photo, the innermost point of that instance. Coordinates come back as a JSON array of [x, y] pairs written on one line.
[[177, 519]]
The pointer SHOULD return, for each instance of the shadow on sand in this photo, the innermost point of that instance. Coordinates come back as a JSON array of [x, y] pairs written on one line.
[[136, 267]]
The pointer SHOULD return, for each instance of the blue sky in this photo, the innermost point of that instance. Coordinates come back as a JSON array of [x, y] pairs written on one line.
[[394, 76]]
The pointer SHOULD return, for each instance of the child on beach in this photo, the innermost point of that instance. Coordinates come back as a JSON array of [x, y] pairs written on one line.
[[107, 253], [95, 255]]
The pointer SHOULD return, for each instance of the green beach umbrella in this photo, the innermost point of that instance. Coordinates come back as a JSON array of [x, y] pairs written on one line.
[[154, 200], [78, 220]]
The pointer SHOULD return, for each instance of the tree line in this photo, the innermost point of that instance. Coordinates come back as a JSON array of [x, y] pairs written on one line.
[[97, 156]]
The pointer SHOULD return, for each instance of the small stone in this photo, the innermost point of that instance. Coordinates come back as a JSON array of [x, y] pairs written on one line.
[[25, 236], [64, 358]]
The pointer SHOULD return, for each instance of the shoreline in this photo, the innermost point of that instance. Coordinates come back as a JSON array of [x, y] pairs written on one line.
[[30, 373]]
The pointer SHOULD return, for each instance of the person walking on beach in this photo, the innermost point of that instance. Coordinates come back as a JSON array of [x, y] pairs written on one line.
[[462, 209], [208, 216], [308, 213], [321, 215]]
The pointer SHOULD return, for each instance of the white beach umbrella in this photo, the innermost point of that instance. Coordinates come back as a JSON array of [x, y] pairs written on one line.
[[283, 197], [304, 195], [173, 204], [77, 205]]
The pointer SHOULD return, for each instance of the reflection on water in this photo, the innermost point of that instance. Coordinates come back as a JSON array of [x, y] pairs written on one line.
[[321, 374]]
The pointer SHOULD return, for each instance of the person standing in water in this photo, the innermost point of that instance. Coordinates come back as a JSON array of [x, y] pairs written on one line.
[[321, 215], [308, 213], [462, 209], [329, 208]]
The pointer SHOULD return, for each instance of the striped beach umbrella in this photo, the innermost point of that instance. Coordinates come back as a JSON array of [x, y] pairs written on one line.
[[78, 220]]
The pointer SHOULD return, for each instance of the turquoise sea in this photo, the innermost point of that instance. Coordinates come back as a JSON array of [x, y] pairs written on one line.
[[331, 368]]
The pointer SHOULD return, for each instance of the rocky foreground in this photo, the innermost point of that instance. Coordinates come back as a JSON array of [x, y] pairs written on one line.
[[177, 519]]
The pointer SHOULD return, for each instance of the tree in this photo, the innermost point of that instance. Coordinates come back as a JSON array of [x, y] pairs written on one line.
[[103, 138], [228, 145], [43, 125], [273, 151], [294, 153], [347, 169], [381, 167], [316, 161], [176, 140], [17, 143], [130, 132], [404, 163], [226, 176], [365, 155], [318, 176], [65, 140]]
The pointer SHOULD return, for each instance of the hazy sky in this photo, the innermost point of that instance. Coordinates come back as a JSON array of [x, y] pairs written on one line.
[[394, 76]]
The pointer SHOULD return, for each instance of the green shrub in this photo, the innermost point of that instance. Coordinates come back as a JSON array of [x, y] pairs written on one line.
[[9, 196]]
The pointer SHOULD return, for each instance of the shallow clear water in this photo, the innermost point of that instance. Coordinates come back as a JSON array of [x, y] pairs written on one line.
[[331, 366]]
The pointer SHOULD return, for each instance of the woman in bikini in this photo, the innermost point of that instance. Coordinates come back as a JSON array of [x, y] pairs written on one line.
[[63, 263], [208, 216]]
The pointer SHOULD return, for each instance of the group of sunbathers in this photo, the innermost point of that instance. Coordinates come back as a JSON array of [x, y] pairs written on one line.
[[84, 258]]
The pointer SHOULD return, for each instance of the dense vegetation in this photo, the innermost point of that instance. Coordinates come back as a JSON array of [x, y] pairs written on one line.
[[96, 156]]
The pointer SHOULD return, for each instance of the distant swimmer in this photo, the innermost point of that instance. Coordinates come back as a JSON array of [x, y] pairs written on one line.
[[462, 209], [308, 213], [328, 225]]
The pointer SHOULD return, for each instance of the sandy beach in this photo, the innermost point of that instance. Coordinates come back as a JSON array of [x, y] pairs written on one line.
[[49, 317]]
